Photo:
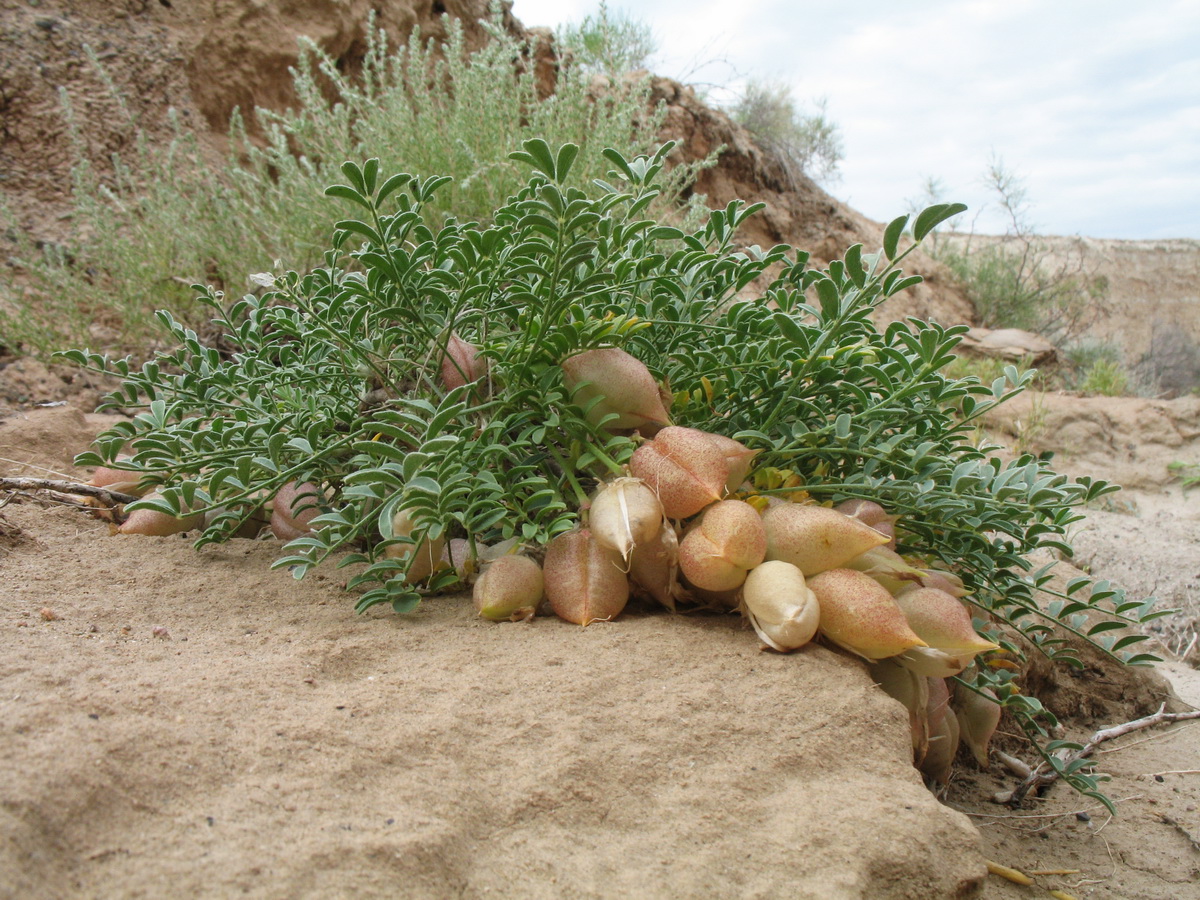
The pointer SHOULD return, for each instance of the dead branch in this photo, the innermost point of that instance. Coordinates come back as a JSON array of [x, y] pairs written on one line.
[[59, 488], [1043, 774]]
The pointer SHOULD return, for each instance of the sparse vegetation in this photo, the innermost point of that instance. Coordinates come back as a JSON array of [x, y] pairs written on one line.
[[807, 142], [1187, 474], [1016, 280], [610, 43], [171, 215]]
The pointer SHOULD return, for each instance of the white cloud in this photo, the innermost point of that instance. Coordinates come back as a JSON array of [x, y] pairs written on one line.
[[1097, 104]]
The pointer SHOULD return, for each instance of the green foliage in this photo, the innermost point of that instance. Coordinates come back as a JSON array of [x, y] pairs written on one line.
[[1188, 474], [171, 215], [609, 43], [332, 378], [808, 143]]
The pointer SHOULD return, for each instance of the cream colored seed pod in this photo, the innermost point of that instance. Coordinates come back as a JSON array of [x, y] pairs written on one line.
[[785, 613], [814, 538]]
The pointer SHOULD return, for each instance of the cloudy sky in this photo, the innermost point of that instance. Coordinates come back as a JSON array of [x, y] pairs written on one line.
[[1094, 105]]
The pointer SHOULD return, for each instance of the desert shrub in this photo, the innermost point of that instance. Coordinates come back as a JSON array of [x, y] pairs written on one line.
[[1016, 280], [338, 378], [1170, 367], [171, 215], [1095, 368], [806, 142], [609, 43]]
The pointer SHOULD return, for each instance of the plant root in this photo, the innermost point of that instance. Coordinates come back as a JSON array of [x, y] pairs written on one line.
[[1043, 775]]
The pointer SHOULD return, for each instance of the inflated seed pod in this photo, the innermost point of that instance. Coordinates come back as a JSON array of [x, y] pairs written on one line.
[[912, 690], [859, 615], [461, 363], [784, 612], [426, 556], [294, 507], [814, 538], [509, 588], [159, 524], [625, 513], [684, 468], [728, 541], [943, 746], [622, 384], [888, 568], [943, 623], [585, 582], [738, 457], [123, 481], [978, 718], [654, 567]]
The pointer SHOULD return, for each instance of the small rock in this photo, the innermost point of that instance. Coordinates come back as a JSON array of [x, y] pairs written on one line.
[[49, 615]]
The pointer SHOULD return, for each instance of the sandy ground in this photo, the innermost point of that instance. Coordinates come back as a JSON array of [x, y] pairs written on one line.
[[196, 724]]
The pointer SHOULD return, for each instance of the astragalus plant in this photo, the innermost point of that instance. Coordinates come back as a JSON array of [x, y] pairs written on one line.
[[468, 388]]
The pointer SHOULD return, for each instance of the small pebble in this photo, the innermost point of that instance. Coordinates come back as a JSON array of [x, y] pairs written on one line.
[[160, 632], [1083, 817], [50, 615]]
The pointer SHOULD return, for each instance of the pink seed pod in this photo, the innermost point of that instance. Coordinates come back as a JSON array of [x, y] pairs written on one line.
[[624, 514], [585, 582], [623, 385], [159, 524], [123, 481], [943, 747], [294, 507], [943, 623], [728, 541], [943, 581], [684, 468], [461, 363], [859, 615], [784, 612], [871, 513], [888, 568], [738, 457], [814, 538], [509, 588], [866, 511]]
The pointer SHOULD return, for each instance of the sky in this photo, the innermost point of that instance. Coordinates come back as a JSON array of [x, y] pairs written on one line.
[[1094, 106]]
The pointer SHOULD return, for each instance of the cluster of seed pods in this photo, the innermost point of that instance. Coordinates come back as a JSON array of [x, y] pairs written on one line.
[[684, 526]]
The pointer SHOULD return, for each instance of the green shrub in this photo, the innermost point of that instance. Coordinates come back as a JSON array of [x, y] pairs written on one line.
[[611, 44], [333, 379], [809, 143], [171, 216], [1017, 280]]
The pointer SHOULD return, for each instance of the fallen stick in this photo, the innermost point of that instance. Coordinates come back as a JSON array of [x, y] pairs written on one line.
[[53, 486], [1043, 775]]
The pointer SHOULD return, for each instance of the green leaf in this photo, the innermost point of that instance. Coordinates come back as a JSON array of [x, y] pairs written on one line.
[[536, 154], [562, 165], [346, 192], [934, 216], [891, 236]]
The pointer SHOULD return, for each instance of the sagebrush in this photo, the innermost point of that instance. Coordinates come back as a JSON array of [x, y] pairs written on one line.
[[171, 214]]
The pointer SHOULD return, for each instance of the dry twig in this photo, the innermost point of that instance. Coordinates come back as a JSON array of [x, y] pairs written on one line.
[[1043, 775], [57, 489]]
